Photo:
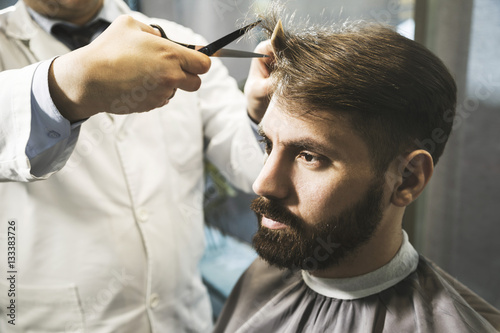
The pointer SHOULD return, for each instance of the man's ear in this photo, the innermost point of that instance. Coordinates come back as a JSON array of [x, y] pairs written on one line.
[[415, 171]]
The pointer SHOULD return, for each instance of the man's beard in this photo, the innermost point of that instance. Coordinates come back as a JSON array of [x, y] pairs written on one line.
[[316, 246]]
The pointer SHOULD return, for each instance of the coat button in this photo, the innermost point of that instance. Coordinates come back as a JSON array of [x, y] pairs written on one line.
[[154, 300], [142, 215], [53, 134]]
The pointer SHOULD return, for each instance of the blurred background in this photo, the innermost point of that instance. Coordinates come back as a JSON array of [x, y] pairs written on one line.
[[455, 223]]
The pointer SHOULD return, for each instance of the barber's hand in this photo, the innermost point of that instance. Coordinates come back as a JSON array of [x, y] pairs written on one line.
[[127, 69], [258, 89]]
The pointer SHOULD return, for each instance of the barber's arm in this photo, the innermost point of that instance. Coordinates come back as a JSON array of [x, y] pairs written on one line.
[[85, 82]]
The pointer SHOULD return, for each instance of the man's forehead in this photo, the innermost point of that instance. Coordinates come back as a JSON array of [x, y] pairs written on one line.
[[323, 132], [285, 117]]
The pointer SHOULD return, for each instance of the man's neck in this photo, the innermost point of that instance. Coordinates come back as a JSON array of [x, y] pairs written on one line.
[[72, 15]]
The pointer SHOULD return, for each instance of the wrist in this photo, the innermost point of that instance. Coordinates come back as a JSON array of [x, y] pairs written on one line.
[[65, 87]]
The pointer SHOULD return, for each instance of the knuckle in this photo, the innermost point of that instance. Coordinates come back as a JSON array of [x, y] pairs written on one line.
[[177, 78], [170, 77], [125, 19], [169, 54]]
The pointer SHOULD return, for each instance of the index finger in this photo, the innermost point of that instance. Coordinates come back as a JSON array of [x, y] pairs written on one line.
[[263, 65], [265, 47]]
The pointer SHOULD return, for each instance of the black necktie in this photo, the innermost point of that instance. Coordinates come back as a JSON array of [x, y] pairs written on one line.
[[76, 37]]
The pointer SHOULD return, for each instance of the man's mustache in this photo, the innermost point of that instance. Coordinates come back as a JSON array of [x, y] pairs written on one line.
[[275, 211]]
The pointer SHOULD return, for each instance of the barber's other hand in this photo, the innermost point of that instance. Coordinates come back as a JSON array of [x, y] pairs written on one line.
[[258, 89], [127, 69]]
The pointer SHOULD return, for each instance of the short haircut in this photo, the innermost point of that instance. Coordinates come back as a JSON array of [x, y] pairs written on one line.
[[394, 91]]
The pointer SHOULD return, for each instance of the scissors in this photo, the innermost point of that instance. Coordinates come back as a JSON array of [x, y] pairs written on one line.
[[215, 49]]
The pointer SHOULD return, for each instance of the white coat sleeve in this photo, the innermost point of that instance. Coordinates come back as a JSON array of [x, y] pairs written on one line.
[[230, 142], [15, 129]]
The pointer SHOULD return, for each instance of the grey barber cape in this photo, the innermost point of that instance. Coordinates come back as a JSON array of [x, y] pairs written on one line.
[[409, 294]]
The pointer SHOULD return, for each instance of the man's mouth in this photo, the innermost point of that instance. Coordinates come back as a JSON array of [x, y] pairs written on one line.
[[271, 224]]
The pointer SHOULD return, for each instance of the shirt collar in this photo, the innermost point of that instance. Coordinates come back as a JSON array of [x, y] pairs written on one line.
[[403, 264], [109, 12]]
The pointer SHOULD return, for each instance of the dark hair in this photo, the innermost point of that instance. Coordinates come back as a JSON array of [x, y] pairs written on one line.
[[395, 92]]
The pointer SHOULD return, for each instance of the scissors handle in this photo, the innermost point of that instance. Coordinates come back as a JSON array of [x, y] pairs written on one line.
[[160, 29], [164, 35]]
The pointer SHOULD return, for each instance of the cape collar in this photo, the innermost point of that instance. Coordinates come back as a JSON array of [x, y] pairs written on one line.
[[403, 264]]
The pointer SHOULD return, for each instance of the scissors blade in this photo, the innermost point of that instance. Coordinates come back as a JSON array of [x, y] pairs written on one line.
[[226, 53], [211, 48]]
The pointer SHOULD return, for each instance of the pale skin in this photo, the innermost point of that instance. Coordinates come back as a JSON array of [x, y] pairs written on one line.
[[105, 70], [258, 87], [317, 168]]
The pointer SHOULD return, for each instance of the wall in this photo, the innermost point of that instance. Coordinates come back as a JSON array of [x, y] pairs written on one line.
[[458, 223]]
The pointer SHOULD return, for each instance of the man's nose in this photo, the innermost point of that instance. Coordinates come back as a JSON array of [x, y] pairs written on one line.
[[274, 178]]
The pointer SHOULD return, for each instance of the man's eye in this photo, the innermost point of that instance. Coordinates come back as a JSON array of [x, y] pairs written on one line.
[[310, 158]]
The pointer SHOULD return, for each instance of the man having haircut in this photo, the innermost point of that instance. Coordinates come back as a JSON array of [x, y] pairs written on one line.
[[349, 109]]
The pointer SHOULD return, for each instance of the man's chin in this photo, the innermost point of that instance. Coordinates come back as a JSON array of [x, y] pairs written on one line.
[[279, 262], [286, 249], [281, 248]]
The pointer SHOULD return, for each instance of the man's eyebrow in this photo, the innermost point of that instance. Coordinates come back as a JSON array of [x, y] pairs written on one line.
[[305, 144], [312, 145]]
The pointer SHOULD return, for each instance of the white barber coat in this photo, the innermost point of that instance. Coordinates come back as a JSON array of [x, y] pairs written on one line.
[[111, 242]]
